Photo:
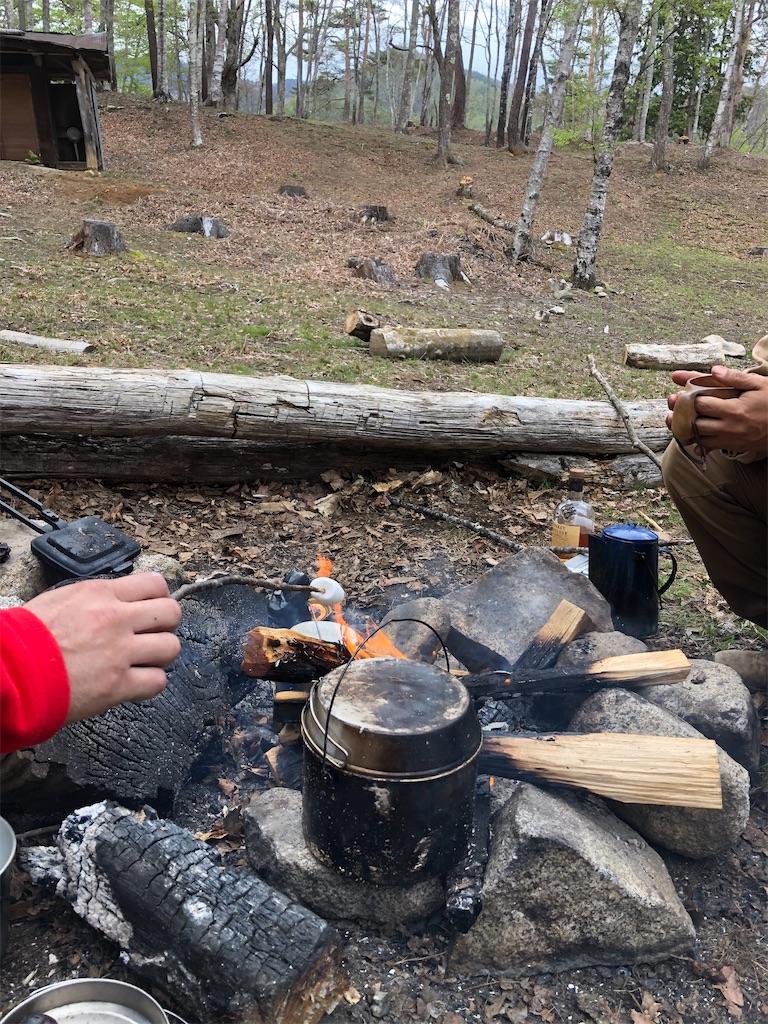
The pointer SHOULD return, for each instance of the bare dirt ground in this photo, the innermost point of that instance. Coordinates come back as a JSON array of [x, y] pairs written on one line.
[[385, 555]]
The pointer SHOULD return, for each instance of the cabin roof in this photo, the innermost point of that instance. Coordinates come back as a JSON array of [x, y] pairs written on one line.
[[60, 48]]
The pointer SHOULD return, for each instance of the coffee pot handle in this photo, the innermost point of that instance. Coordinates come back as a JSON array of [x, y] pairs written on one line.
[[672, 575]]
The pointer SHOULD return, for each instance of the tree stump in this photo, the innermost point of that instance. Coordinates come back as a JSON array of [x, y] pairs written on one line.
[[209, 227], [98, 238], [293, 191], [373, 214], [434, 267], [219, 942], [373, 270]]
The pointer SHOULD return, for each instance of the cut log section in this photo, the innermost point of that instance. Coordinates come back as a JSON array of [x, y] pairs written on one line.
[[455, 344], [633, 769], [221, 944], [702, 356], [291, 657], [99, 401], [98, 238], [360, 324], [629, 670]]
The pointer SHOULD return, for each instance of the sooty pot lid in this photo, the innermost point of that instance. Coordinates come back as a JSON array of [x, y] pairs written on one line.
[[392, 716], [630, 532]]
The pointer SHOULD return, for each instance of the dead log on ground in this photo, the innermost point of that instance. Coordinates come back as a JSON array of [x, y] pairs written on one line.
[[38, 341], [98, 401], [220, 943], [702, 356], [455, 344], [98, 238]]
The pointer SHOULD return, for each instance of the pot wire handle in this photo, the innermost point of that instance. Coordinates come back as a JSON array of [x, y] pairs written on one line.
[[360, 646]]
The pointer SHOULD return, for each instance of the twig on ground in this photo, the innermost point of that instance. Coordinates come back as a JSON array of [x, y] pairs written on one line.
[[619, 407], [483, 531], [246, 581]]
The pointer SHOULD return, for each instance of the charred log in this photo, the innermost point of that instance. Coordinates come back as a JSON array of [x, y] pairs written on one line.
[[220, 943], [288, 656], [110, 756]]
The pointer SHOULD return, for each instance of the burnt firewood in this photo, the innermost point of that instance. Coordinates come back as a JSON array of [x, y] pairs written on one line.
[[142, 753], [464, 885], [290, 657], [98, 238], [219, 943]]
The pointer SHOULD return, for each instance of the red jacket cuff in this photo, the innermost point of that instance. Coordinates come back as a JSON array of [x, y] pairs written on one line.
[[34, 686]]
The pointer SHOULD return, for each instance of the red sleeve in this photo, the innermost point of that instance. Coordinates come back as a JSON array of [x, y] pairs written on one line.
[[34, 686]]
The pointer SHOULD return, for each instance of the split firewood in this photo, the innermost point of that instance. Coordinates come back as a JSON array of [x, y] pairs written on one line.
[[288, 656], [701, 356], [220, 943], [654, 668], [566, 623], [631, 768], [98, 238]]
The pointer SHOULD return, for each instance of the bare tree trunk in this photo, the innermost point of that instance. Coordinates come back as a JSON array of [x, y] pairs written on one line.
[[727, 91], [429, 74], [738, 86], [108, 18], [87, 17], [646, 78], [45, 15], [459, 108], [521, 245], [161, 39], [364, 65], [447, 66], [491, 93], [589, 239], [513, 25], [215, 92], [196, 17], [530, 88], [11, 21], [516, 130], [282, 57], [472, 42], [409, 72], [659, 157], [152, 42], [269, 32], [300, 60]]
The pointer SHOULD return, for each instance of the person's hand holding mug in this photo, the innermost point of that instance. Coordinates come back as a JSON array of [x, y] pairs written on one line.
[[116, 637], [737, 421]]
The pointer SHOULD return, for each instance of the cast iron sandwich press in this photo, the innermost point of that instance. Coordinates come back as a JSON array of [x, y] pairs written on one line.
[[74, 551]]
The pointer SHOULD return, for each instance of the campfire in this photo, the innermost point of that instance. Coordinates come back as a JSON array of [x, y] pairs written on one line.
[[422, 762]]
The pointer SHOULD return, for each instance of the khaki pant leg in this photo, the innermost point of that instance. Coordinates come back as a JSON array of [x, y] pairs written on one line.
[[726, 512]]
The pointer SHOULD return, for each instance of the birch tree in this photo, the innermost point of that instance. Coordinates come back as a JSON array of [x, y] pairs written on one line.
[[215, 91], [521, 244], [196, 17], [727, 90], [589, 238], [646, 78]]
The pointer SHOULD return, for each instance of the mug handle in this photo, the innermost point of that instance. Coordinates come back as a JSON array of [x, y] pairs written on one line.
[[672, 575]]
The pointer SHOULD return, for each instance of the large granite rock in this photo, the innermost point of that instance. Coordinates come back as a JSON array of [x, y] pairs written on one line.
[[568, 885], [714, 700], [505, 608], [277, 850], [691, 831]]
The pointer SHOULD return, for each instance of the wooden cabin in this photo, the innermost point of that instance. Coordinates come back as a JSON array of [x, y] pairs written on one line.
[[48, 97]]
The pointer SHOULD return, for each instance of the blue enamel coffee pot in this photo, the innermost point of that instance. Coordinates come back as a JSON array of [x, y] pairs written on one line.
[[624, 566]]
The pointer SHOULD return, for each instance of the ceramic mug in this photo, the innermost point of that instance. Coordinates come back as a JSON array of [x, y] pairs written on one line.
[[684, 414]]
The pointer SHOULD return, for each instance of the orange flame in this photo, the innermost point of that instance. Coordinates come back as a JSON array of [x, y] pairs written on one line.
[[368, 645]]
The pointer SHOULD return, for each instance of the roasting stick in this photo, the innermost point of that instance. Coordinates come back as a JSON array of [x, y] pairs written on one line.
[[634, 769]]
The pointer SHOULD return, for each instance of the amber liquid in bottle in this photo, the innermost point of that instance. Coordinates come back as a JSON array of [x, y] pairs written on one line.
[[574, 517]]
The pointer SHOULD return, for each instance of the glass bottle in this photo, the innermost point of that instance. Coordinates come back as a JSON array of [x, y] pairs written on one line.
[[574, 518]]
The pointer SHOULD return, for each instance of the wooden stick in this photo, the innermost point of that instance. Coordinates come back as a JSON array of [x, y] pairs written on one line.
[[646, 669], [622, 411], [38, 341], [633, 769]]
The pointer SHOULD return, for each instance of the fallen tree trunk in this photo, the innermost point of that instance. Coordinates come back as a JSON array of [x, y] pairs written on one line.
[[220, 943], [674, 357], [456, 344], [101, 402], [39, 341]]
